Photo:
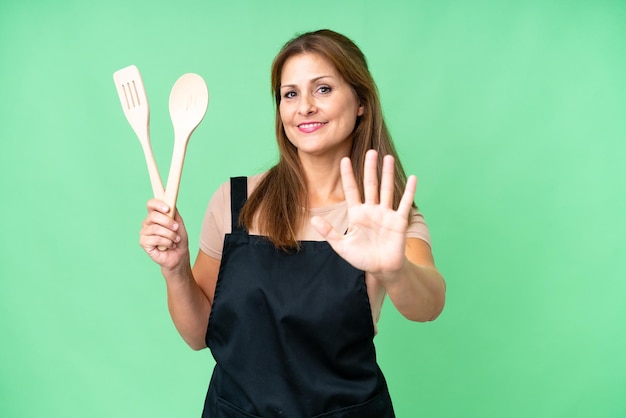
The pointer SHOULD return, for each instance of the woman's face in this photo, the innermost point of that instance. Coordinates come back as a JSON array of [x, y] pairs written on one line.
[[318, 107]]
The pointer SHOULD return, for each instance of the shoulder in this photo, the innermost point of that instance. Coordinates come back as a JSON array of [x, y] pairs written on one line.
[[217, 218], [222, 193], [254, 181]]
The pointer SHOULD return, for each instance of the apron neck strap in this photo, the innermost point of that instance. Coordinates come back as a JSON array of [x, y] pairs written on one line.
[[238, 196]]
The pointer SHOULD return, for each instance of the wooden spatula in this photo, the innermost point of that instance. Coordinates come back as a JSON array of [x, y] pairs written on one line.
[[135, 104]]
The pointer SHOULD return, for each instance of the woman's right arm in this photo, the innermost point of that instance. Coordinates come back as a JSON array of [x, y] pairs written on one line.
[[189, 291]]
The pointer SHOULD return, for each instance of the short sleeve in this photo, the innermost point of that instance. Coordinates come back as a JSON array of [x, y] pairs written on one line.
[[417, 227], [216, 222]]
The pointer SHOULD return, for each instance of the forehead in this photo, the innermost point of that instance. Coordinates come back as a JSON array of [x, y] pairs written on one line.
[[306, 66]]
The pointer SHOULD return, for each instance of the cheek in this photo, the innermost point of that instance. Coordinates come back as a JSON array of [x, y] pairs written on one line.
[[350, 114], [285, 119], [283, 113]]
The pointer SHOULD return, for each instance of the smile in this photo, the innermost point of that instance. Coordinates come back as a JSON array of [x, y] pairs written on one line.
[[310, 126]]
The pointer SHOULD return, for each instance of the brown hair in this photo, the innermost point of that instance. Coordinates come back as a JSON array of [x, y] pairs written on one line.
[[276, 205]]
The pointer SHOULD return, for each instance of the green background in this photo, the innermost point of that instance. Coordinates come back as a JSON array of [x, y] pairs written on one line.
[[511, 114]]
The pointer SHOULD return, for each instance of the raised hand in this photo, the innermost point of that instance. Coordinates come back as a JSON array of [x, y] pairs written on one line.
[[376, 237]]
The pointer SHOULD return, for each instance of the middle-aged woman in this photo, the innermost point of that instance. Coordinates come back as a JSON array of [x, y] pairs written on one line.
[[294, 263]]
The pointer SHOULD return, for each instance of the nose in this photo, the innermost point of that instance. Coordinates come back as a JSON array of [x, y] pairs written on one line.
[[306, 105]]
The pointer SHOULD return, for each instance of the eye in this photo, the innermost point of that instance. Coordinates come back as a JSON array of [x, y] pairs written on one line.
[[324, 89], [289, 95]]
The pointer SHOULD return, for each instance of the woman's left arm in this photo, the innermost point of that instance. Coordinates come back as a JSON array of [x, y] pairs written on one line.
[[376, 240], [417, 289]]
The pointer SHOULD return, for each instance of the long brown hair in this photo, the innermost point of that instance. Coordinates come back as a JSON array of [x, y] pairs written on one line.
[[277, 207]]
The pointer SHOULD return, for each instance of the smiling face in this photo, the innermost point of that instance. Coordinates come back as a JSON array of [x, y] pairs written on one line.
[[318, 108]]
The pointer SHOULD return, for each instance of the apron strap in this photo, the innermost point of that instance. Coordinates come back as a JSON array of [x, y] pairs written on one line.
[[238, 196]]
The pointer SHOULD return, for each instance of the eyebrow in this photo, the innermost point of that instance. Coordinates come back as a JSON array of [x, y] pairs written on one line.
[[313, 80]]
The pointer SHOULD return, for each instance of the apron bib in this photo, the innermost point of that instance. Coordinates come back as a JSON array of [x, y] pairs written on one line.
[[291, 333]]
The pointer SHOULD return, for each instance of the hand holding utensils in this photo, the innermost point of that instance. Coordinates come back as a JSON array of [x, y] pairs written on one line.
[[188, 103]]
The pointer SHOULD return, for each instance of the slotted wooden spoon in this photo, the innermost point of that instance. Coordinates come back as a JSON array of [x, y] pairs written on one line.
[[135, 104]]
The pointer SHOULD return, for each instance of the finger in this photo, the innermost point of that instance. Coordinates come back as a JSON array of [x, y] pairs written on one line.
[[154, 234], [159, 224], [150, 242], [162, 232], [157, 205], [180, 225], [157, 242], [326, 230], [350, 189], [406, 203], [370, 177], [387, 182], [159, 217]]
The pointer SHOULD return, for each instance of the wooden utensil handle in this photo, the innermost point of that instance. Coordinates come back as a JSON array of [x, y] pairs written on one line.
[[153, 171], [176, 171]]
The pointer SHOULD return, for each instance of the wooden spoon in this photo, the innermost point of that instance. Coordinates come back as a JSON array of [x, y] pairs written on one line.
[[189, 100]]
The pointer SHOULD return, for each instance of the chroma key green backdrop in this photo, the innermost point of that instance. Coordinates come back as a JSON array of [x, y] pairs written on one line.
[[511, 114]]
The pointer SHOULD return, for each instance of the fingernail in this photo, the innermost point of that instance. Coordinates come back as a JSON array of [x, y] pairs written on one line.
[[177, 238], [165, 209], [175, 226]]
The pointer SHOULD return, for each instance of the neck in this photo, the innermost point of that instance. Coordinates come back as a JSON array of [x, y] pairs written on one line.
[[323, 181]]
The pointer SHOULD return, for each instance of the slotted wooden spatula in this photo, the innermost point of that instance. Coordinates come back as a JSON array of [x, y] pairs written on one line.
[[135, 104]]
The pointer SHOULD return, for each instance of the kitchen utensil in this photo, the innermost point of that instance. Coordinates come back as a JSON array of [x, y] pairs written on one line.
[[135, 104], [189, 100]]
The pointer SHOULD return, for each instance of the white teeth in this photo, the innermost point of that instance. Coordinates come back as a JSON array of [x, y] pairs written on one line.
[[310, 125]]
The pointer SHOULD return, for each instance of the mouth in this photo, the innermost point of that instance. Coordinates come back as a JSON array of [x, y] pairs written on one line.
[[310, 126]]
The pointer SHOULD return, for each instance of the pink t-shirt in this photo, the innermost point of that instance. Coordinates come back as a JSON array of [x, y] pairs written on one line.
[[217, 223]]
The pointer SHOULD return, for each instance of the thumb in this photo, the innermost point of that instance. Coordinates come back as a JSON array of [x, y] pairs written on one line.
[[326, 230]]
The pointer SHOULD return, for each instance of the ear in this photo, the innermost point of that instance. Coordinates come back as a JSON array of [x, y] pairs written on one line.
[[360, 111]]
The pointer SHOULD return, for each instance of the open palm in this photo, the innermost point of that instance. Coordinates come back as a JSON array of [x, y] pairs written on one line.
[[376, 237]]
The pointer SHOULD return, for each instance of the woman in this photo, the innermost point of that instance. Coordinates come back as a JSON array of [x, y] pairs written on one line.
[[294, 264]]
